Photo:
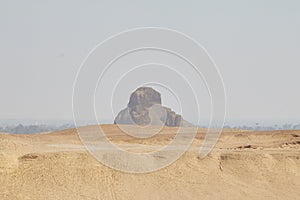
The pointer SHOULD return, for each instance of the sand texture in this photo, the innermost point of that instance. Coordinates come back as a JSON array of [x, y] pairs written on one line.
[[243, 165]]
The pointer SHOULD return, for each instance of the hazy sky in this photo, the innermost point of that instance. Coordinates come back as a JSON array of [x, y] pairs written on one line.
[[255, 44]]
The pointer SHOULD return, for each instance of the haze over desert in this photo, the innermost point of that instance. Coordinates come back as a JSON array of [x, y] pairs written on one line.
[[149, 100]]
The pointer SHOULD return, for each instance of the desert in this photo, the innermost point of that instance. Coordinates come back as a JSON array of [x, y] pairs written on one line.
[[150, 100], [243, 165]]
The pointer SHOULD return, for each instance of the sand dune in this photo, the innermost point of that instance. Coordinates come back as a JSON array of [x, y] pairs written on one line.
[[243, 165]]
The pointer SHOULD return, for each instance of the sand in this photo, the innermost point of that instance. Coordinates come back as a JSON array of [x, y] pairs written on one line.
[[243, 165]]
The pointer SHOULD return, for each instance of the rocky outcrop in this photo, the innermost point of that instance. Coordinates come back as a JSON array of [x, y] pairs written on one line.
[[144, 108]]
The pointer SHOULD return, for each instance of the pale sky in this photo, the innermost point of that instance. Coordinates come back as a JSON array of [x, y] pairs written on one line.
[[255, 44]]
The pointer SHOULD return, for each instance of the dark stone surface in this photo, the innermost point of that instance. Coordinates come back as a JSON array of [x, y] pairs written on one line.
[[144, 108]]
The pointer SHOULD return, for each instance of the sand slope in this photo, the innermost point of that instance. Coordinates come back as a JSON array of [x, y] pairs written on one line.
[[244, 165]]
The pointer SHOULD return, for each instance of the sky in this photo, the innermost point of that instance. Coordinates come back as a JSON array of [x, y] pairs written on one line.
[[255, 45]]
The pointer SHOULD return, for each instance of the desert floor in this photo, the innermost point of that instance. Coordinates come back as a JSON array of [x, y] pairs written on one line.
[[243, 165]]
